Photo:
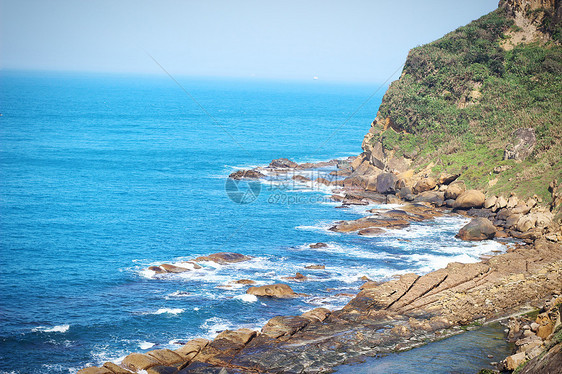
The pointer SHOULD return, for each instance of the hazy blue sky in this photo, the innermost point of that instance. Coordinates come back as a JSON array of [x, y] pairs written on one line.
[[347, 40]]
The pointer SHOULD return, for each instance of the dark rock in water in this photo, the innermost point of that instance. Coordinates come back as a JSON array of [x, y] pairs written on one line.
[[156, 269], [521, 144], [434, 197], [273, 290], [318, 245], [244, 281], [386, 183], [282, 163], [246, 174], [224, 257], [173, 269], [323, 181], [477, 229]]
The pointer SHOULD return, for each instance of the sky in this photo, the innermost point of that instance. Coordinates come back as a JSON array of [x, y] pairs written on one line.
[[351, 40]]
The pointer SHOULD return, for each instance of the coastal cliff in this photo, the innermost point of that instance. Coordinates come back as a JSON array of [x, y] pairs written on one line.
[[482, 102], [473, 127]]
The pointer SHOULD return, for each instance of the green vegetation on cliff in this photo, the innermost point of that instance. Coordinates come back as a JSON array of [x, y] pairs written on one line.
[[461, 97]]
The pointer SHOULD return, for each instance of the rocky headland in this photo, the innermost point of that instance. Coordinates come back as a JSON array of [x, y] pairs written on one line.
[[441, 144]]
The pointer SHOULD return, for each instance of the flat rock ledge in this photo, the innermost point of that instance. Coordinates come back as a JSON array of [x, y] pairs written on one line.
[[384, 317]]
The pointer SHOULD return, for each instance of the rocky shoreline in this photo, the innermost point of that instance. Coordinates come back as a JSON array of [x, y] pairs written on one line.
[[402, 313]]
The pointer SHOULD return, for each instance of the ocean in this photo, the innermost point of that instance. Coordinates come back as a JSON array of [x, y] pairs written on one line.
[[102, 176]]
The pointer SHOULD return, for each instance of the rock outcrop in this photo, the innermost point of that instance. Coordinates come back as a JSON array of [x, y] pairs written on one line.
[[477, 229]]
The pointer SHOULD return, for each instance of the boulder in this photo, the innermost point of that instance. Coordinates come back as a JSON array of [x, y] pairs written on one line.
[[520, 145], [370, 232], [244, 281], [224, 258], [425, 184], [282, 163], [433, 197], [512, 202], [279, 290], [157, 269], [513, 361], [323, 181], [446, 178], [318, 245], [246, 174], [298, 277], [454, 190], [404, 191], [526, 223], [386, 183], [490, 202], [477, 229], [501, 203], [470, 199]]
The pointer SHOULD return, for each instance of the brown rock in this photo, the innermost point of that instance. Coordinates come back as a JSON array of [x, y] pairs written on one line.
[[318, 245], [284, 326], [425, 184], [246, 174], [323, 181], [373, 231], [301, 178], [165, 356], [274, 290], [161, 369], [139, 361], [446, 178], [298, 277], [521, 144], [318, 314], [116, 369], [490, 202], [401, 330], [282, 163], [315, 267], [470, 199], [386, 183], [95, 370], [454, 190], [224, 258], [173, 269], [477, 229], [192, 348], [513, 361], [240, 336], [244, 281], [156, 269]]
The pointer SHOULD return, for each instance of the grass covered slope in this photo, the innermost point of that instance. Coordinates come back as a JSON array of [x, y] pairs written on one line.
[[460, 98]]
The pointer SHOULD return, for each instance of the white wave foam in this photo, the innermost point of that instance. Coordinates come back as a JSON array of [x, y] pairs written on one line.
[[169, 311], [247, 298], [322, 227], [179, 294], [351, 251], [215, 325], [146, 345], [59, 328]]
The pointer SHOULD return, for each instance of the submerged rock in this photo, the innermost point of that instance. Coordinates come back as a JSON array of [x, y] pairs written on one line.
[[318, 245], [477, 229], [224, 258]]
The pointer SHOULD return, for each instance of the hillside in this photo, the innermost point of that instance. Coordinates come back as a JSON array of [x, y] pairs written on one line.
[[465, 101]]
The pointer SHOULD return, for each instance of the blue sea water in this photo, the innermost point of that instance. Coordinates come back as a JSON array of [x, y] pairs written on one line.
[[102, 176]]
